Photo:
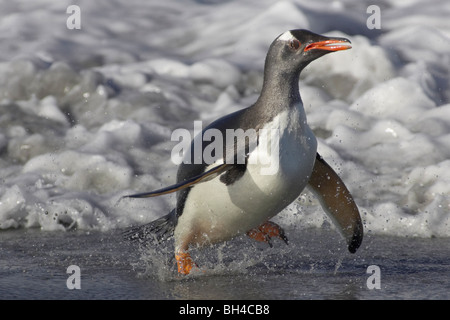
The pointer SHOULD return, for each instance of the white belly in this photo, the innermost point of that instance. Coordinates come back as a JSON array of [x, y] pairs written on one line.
[[215, 212]]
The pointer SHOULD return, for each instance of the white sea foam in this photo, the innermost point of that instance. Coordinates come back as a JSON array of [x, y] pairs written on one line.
[[87, 114]]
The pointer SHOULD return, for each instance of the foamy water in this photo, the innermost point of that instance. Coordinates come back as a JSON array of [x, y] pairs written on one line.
[[87, 115]]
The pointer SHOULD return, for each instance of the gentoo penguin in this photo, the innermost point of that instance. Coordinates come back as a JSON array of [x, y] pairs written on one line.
[[257, 175]]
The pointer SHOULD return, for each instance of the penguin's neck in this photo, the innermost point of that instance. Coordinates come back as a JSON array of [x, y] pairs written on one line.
[[280, 91]]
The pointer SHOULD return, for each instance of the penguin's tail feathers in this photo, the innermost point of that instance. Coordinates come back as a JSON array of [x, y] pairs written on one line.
[[156, 231]]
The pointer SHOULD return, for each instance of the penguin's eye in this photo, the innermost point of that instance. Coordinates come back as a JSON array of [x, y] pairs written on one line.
[[294, 44]]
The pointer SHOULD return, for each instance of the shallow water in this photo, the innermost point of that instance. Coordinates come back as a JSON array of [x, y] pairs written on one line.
[[313, 266]]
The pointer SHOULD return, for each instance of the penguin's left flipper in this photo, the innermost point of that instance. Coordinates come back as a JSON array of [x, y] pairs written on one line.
[[337, 202], [205, 176]]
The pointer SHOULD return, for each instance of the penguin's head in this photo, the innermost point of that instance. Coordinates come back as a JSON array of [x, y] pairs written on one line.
[[295, 49]]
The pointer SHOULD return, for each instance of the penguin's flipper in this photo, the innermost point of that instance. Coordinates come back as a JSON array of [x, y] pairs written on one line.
[[205, 176], [337, 202]]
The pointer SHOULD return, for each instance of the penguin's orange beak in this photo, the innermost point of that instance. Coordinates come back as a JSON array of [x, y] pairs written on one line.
[[330, 45]]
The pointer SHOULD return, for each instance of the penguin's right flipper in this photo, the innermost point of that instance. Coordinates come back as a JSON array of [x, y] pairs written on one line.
[[337, 202], [205, 176]]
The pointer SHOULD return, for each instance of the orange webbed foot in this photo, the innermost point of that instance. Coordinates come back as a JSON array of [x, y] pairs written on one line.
[[184, 262], [266, 231]]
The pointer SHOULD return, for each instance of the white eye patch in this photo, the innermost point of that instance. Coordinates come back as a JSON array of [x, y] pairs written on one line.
[[286, 36]]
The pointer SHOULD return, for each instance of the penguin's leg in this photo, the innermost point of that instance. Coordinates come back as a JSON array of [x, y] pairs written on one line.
[[184, 261], [266, 231]]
